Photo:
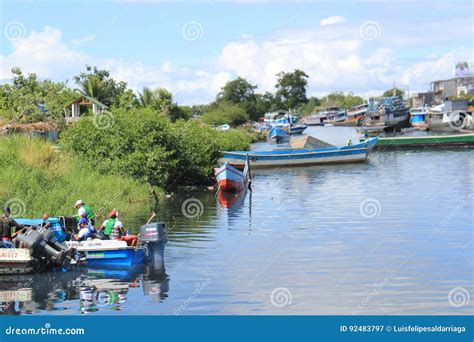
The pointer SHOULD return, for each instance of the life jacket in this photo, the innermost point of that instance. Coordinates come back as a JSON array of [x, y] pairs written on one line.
[[57, 229], [116, 233], [89, 213], [109, 226], [5, 228]]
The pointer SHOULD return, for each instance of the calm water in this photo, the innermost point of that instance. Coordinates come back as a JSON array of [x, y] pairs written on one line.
[[392, 236]]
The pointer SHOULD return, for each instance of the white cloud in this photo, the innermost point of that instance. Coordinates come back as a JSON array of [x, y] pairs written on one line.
[[83, 40], [332, 20]]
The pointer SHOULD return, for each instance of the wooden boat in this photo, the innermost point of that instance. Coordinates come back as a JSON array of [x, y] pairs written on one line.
[[297, 129], [389, 113], [230, 178], [355, 116], [279, 134], [298, 157], [457, 140], [316, 119], [417, 117]]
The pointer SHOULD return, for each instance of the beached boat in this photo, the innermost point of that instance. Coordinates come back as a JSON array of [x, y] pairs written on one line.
[[297, 157], [231, 179], [456, 140]]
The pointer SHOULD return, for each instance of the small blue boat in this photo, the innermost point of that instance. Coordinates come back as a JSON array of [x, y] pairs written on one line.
[[279, 134], [297, 129], [299, 157]]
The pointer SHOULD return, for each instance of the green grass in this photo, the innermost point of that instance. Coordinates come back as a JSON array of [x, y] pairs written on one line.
[[36, 178]]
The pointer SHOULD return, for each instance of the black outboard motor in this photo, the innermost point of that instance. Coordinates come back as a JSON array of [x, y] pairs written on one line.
[[42, 248], [153, 238], [51, 240]]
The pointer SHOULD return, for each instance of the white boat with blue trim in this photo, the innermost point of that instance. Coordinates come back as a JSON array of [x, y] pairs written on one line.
[[300, 157]]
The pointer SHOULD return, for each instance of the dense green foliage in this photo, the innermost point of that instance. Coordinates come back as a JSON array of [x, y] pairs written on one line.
[[339, 99], [225, 113], [146, 145], [40, 179], [398, 92], [27, 99], [291, 89]]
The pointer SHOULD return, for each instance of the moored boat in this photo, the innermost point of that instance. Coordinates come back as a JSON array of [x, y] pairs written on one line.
[[298, 157], [388, 113], [279, 133], [316, 119], [297, 129], [417, 117], [455, 140], [355, 116], [230, 178]]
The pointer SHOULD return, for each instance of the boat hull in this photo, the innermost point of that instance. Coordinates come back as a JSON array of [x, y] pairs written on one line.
[[304, 157], [229, 178], [458, 140], [124, 258]]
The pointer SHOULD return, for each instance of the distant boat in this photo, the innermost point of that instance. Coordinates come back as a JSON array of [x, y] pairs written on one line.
[[224, 127], [388, 113], [232, 179], [335, 114], [316, 119], [355, 116], [297, 157], [279, 134], [417, 117], [425, 141], [278, 118], [297, 129]]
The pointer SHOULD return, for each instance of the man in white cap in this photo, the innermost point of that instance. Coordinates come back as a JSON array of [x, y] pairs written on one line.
[[85, 211]]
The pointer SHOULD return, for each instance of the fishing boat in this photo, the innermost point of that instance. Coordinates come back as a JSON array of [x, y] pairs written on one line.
[[315, 119], [425, 141], [16, 261], [450, 117], [354, 117], [231, 179], [120, 253], [278, 118], [335, 115], [388, 113], [417, 117], [279, 133], [298, 157]]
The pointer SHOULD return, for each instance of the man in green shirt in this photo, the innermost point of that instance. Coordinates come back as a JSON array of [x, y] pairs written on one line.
[[85, 211]]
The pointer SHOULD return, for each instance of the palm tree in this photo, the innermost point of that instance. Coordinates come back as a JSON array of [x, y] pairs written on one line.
[[147, 98]]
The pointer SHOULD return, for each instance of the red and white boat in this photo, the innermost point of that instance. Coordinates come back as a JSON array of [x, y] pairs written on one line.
[[232, 179]]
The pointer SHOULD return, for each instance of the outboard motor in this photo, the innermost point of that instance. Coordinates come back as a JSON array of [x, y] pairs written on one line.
[[51, 240], [153, 238], [39, 247]]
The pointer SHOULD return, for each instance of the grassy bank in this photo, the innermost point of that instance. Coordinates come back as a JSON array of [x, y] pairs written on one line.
[[35, 178]]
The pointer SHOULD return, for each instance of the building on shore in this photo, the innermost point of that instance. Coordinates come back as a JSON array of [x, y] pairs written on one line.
[[73, 110], [457, 86]]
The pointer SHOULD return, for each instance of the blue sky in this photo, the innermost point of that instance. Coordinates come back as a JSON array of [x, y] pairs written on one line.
[[194, 47]]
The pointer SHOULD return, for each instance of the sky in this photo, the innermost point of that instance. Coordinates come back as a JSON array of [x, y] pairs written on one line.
[[193, 48]]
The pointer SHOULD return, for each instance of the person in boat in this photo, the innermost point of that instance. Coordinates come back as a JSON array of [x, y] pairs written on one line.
[[112, 228], [53, 224], [85, 230], [6, 226], [82, 209], [349, 142]]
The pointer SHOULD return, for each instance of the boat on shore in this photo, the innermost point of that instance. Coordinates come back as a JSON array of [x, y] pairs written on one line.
[[418, 117], [425, 141], [299, 157]]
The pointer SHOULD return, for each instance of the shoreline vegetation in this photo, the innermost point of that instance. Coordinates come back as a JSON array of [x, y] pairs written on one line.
[[142, 146]]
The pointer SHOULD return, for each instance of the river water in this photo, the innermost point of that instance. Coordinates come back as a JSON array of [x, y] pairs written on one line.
[[391, 236]]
